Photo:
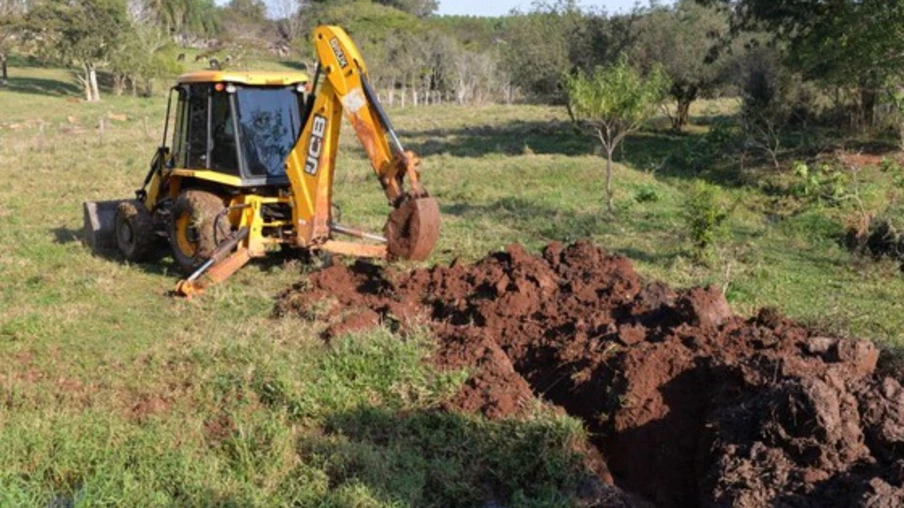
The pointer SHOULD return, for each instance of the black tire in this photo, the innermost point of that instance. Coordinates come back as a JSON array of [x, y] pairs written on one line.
[[134, 230], [191, 230]]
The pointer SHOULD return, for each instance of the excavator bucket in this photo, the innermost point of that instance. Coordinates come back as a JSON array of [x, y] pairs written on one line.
[[100, 219], [412, 229]]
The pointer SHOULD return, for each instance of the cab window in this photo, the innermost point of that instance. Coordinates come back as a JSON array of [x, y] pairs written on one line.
[[269, 126], [223, 150], [197, 121]]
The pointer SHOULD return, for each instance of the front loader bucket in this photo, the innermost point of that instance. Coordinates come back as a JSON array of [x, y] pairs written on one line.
[[100, 218]]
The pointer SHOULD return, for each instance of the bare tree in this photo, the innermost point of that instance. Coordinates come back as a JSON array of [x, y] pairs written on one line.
[[286, 12]]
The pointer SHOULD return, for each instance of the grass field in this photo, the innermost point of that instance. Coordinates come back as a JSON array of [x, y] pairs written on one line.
[[112, 392]]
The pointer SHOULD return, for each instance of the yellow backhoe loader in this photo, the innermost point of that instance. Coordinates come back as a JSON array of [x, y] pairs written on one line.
[[251, 167]]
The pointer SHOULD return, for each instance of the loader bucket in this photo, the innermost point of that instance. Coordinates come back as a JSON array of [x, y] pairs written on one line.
[[100, 218], [413, 229]]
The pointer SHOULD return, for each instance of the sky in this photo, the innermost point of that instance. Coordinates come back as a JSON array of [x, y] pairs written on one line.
[[500, 7]]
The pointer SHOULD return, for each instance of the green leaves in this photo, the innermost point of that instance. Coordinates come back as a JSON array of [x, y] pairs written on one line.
[[704, 217], [77, 32], [617, 98], [614, 101]]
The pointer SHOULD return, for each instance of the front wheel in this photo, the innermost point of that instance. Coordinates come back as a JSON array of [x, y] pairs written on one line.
[[195, 230], [134, 229]]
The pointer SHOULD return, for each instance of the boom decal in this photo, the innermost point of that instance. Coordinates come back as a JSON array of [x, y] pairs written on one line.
[[315, 146], [337, 50]]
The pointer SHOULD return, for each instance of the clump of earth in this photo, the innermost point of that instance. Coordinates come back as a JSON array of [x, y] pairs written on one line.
[[689, 404]]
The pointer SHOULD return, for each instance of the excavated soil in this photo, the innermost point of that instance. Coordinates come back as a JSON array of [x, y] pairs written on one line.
[[688, 404]]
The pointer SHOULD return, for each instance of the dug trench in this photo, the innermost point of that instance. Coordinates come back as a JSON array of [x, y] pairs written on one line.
[[688, 404]]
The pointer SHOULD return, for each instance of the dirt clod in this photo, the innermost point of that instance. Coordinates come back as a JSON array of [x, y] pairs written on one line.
[[689, 404]]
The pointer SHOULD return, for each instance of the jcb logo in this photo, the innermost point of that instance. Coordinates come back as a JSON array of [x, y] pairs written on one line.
[[337, 50], [315, 146]]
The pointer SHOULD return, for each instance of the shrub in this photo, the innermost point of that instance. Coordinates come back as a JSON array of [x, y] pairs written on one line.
[[704, 217], [646, 194]]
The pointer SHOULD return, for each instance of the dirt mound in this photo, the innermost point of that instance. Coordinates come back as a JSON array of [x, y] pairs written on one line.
[[689, 404]]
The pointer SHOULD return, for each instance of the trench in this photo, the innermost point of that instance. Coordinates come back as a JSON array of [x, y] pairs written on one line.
[[688, 404]]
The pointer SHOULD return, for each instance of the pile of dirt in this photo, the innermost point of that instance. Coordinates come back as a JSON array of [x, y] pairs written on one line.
[[689, 404]]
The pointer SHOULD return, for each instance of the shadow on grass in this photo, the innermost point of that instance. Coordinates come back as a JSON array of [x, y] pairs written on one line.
[[64, 235], [161, 261], [662, 152], [513, 138], [438, 458], [41, 86]]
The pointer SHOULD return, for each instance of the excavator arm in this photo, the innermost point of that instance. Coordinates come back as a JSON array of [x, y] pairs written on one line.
[[413, 225]]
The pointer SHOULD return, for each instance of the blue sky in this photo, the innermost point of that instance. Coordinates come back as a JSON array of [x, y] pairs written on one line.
[[500, 7]]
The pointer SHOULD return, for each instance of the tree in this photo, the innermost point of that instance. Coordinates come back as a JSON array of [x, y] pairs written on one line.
[[10, 18], [183, 19], [82, 33], [612, 102], [845, 43], [540, 47], [690, 41], [145, 52], [420, 8]]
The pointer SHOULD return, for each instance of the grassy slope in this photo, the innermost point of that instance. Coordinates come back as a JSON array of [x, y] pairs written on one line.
[[111, 390]]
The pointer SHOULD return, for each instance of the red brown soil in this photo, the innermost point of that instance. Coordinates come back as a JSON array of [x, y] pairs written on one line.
[[689, 404]]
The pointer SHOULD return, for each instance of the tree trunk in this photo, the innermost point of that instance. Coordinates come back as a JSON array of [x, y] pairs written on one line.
[[609, 146], [868, 100], [684, 100], [119, 84], [4, 77], [609, 205], [93, 91], [681, 115]]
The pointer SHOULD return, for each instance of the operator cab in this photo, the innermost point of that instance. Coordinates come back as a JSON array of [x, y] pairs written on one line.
[[237, 128]]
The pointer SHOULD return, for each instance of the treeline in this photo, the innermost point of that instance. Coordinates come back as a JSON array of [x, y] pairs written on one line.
[[792, 61]]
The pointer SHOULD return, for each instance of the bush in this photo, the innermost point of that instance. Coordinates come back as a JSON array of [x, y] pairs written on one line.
[[825, 184], [646, 194], [893, 169], [704, 217]]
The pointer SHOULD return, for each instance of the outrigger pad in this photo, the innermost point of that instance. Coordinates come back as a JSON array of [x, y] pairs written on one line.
[[100, 228], [413, 229]]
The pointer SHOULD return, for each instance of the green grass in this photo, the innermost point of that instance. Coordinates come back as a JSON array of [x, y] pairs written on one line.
[[112, 392]]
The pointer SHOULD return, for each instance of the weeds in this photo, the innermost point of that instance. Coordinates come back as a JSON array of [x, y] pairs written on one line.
[[827, 184]]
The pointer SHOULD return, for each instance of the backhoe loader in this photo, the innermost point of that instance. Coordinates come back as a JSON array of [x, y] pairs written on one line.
[[251, 166]]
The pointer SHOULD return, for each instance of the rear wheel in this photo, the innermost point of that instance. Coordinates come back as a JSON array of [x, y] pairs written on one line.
[[194, 229], [134, 229]]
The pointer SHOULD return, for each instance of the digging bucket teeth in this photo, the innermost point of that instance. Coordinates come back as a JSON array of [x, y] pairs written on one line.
[[99, 233]]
